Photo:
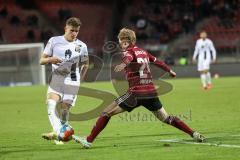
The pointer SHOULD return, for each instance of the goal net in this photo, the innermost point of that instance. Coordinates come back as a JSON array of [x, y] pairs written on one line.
[[19, 65]]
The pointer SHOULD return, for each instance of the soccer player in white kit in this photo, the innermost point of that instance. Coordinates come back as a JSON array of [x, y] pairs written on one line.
[[69, 58], [205, 54]]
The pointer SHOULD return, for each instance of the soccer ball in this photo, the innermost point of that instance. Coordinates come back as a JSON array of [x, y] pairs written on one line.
[[66, 133]]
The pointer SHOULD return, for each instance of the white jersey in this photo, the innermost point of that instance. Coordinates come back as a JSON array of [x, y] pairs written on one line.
[[203, 50], [58, 46], [65, 79]]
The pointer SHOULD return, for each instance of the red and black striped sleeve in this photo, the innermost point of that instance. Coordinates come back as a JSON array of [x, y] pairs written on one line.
[[159, 63]]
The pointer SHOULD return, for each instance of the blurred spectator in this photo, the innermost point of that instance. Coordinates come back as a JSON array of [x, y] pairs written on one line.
[[162, 27], [45, 35], [61, 14], [4, 12], [31, 35], [207, 7], [15, 21], [26, 4], [32, 20], [1, 36], [157, 10], [187, 23], [141, 23], [169, 61], [139, 20], [225, 14], [64, 14], [142, 35], [164, 20]]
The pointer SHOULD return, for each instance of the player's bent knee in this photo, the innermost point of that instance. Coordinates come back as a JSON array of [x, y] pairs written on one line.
[[108, 114], [163, 118], [161, 114], [53, 96]]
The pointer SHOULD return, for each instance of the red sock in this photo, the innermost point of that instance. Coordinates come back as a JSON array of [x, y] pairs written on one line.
[[176, 122], [100, 125]]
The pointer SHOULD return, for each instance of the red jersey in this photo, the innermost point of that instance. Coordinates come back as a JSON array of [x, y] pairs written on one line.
[[138, 72]]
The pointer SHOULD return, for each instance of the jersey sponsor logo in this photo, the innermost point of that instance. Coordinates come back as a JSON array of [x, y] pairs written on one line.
[[145, 81], [139, 52]]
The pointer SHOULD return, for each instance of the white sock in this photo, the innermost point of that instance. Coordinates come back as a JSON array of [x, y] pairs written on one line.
[[52, 115], [203, 79], [208, 77]]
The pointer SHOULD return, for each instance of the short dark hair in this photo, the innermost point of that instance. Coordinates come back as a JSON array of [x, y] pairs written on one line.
[[73, 21], [203, 31]]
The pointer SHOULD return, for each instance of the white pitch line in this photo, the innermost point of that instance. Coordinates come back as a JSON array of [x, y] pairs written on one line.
[[206, 144]]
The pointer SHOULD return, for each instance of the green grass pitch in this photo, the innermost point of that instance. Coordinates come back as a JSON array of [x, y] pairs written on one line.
[[214, 113]]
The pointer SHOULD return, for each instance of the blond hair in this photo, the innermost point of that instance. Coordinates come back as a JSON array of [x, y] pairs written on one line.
[[73, 21], [127, 34]]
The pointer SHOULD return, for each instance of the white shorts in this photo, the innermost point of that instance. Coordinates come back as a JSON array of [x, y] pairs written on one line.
[[203, 65], [67, 90]]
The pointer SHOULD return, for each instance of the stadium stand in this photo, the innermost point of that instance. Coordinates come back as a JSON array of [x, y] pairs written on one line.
[[156, 22], [16, 24], [24, 23], [94, 27]]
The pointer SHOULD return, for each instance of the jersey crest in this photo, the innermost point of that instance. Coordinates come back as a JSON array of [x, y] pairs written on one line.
[[68, 54], [78, 48]]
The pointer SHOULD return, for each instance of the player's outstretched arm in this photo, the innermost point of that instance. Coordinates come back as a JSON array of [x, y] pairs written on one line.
[[172, 73], [125, 61], [212, 48], [165, 67], [46, 59], [84, 69], [159, 63], [162, 65], [196, 52], [194, 61], [120, 67]]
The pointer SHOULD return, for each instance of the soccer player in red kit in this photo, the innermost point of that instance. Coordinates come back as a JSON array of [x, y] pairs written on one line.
[[141, 90]]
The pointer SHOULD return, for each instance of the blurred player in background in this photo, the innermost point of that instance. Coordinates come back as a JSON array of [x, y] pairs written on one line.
[[141, 90], [205, 53], [69, 58]]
